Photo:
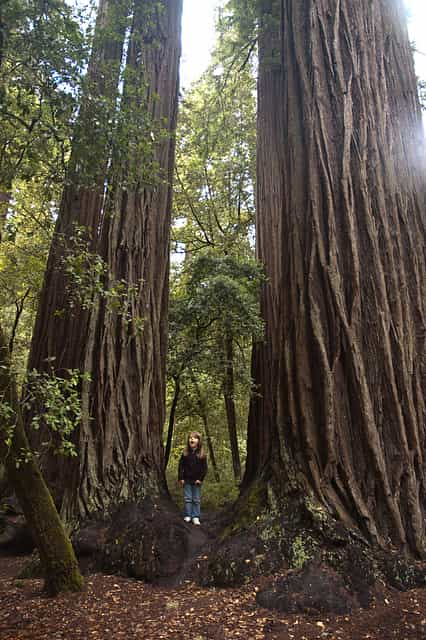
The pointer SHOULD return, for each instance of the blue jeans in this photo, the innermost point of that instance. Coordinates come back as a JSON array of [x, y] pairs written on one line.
[[192, 499]]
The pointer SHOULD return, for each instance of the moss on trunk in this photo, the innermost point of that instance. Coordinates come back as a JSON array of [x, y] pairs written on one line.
[[57, 556]]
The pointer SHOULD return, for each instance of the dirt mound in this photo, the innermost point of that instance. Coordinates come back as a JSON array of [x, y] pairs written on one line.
[[148, 541]]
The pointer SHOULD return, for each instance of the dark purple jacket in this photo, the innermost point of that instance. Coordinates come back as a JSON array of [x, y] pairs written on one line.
[[192, 468]]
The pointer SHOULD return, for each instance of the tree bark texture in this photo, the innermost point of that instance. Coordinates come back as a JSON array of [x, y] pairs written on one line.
[[341, 231], [121, 446], [61, 325], [228, 394], [56, 553], [120, 442]]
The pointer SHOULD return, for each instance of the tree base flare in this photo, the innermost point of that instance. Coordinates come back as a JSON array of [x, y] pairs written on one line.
[[65, 579], [318, 563]]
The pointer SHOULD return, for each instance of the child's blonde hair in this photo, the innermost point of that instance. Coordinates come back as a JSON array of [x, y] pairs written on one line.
[[199, 451]]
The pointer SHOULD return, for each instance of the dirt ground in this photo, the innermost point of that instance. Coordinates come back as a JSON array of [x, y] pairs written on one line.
[[113, 607]]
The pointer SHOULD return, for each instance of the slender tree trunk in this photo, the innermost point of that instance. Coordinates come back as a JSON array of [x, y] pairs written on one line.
[[4, 203], [341, 231], [172, 421], [212, 457], [5, 186], [56, 553], [205, 419], [228, 394]]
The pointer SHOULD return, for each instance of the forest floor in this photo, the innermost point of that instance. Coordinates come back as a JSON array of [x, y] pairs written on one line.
[[115, 608]]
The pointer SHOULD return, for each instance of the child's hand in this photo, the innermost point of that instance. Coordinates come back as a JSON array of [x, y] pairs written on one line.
[[198, 482], [182, 482]]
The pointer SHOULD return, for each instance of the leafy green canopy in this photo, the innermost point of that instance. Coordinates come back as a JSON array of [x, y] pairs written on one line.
[[43, 50], [216, 137], [214, 310], [216, 283], [42, 53], [214, 294]]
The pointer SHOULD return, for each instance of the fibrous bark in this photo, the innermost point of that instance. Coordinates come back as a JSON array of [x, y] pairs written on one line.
[[63, 318], [123, 344], [121, 447], [61, 325], [341, 232]]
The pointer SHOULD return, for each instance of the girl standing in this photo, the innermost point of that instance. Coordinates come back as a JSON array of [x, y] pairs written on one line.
[[191, 473]]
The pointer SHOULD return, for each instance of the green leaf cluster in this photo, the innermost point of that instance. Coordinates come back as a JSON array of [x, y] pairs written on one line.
[[25, 242], [216, 140], [53, 402], [214, 305], [42, 52]]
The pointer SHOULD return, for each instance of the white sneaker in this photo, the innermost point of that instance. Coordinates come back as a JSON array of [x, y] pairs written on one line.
[[196, 521], [187, 519]]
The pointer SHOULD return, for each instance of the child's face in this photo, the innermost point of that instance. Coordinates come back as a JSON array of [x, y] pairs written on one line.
[[193, 442]]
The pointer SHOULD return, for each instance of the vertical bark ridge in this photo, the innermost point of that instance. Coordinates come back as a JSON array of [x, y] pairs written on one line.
[[59, 324], [63, 321], [127, 346], [344, 254]]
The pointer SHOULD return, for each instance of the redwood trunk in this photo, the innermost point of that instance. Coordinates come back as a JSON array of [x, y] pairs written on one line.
[[121, 451], [341, 231], [121, 340], [62, 324]]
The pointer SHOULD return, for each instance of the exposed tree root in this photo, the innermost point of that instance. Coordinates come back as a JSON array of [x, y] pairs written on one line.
[[314, 561]]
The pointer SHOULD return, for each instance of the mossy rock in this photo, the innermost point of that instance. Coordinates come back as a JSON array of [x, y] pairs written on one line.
[[313, 589], [90, 538], [255, 549]]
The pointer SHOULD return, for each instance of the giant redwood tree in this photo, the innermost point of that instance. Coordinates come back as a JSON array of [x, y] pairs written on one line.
[[121, 451], [340, 415], [119, 338]]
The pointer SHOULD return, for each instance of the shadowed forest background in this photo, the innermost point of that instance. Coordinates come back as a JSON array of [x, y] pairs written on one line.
[[245, 259]]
